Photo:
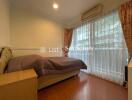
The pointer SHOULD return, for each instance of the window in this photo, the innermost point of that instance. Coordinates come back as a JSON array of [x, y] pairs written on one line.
[[100, 44]]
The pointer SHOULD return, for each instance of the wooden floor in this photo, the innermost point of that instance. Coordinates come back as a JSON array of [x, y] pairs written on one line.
[[84, 87]]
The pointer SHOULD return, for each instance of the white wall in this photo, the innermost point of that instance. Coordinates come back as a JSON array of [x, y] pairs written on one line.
[[32, 31], [4, 23]]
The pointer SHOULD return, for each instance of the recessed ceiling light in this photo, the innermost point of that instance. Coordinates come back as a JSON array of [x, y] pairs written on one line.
[[55, 6]]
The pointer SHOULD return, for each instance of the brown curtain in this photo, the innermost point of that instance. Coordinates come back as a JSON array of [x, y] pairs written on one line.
[[125, 12], [67, 41]]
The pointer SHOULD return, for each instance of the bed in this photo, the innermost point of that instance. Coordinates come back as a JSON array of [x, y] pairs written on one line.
[[50, 70]]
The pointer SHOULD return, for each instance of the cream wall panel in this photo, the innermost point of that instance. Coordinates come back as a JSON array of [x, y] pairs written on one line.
[[32, 31], [4, 23]]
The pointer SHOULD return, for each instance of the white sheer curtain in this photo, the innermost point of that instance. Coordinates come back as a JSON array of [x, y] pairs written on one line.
[[100, 44]]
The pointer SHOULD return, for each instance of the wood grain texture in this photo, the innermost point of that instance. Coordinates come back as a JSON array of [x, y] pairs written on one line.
[[130, 83], [13, 77], [84, 87], [130, 63], [21, 85]]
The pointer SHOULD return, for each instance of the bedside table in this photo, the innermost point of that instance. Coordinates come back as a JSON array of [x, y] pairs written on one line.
[[21, 85]]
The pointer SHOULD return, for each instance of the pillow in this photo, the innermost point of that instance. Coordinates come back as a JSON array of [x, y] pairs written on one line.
[[6, 55]]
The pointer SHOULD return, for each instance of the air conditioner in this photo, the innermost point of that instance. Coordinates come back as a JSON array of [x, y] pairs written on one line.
[[92, 13]]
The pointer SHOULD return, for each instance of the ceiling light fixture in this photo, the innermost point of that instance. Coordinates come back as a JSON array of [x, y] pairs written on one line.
[[55, 5]]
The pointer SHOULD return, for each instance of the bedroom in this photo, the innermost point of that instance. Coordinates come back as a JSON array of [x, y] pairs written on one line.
[[47, 28]]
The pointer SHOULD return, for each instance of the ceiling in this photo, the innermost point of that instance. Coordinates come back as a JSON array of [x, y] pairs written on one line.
[[69, 11]]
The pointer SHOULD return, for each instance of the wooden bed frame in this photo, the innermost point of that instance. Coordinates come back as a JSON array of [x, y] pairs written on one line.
[[48, 80]]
